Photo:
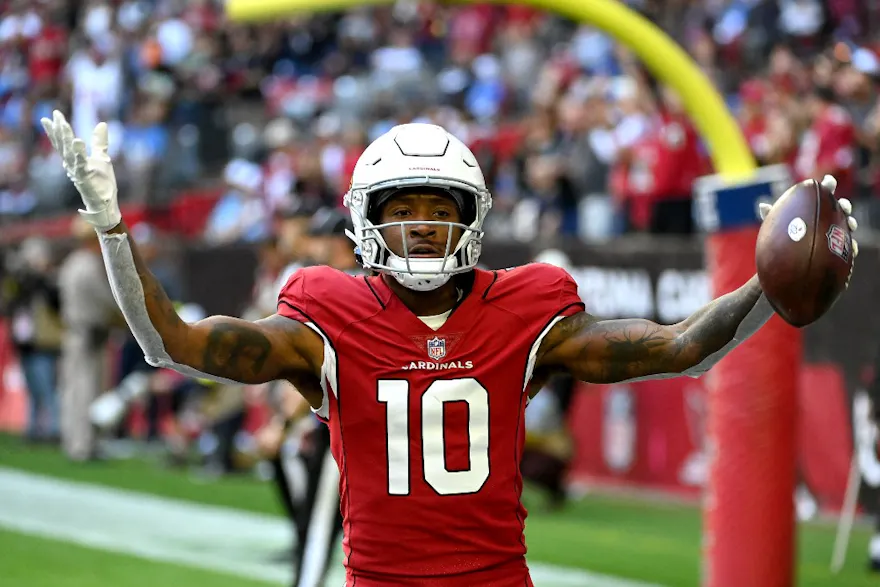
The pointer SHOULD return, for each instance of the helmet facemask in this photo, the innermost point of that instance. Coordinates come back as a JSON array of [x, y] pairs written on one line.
[[417, 157], [419, 273]]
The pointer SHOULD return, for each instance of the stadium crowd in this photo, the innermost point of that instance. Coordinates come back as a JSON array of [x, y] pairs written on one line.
[[575, 136]]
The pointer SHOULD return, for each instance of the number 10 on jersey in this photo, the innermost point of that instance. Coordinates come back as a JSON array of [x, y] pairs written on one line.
[[394, 393]]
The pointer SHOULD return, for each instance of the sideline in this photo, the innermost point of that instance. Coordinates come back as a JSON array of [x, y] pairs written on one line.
[[160, 529]]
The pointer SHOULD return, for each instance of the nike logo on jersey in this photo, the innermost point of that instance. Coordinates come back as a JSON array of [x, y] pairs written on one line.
[[431, 366]]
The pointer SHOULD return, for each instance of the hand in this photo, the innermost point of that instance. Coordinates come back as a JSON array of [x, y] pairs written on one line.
[[92, 175], [830, 184]]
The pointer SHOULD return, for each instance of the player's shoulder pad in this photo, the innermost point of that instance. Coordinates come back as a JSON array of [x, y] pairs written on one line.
[[534, 288], [537, 278], [321, 293]]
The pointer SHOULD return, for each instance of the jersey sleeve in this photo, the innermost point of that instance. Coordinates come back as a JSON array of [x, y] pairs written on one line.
[[545, 315], [559, 297], [293, 302], [538, 293], [569, 301]]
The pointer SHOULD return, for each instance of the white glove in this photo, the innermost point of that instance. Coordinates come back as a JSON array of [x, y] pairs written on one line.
[[830, 184], [92, 175]]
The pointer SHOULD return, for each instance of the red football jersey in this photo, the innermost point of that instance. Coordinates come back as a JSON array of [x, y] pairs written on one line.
[[427, 426]]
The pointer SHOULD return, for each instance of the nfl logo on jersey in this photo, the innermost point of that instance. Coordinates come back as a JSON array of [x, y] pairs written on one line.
[[437, 348]]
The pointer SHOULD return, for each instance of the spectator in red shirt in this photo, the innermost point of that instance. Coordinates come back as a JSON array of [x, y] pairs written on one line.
[[658, 172], [828, 145], [753, 119], [48, 49]]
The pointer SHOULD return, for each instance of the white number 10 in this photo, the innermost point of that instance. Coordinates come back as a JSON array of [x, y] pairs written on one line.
[[394, 393]]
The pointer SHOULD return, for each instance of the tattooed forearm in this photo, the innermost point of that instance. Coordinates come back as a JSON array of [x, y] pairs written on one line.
[[228, 348], [607, 351], [710, 328], [235, 351]]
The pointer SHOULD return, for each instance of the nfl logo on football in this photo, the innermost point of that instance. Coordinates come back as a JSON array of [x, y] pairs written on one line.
[[838, 242], [436, 348]]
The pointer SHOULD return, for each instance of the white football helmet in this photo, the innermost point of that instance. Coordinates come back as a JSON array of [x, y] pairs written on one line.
[[417, 156]]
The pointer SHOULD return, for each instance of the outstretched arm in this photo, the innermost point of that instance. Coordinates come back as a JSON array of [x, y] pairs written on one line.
[[608, 351], [249, 352], [220, 346]]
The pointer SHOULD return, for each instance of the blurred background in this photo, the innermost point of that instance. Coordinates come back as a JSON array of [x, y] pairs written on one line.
[[233, 145]]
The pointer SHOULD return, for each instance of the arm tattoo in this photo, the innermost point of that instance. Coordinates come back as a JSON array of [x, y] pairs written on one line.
[[617, 350], [715, 324], [226, 347], [160, 309], [607, 351], [233, 350], [159, 306]]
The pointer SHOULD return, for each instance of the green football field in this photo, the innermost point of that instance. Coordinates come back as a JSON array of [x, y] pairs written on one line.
[[610, 537]]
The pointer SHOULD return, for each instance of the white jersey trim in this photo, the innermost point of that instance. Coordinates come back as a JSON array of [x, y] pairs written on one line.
[[435, 322], [328, 374], [533, 352]]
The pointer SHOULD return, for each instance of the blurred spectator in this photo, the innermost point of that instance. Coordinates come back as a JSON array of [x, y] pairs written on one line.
[[96, 80], [753, 119], [329, 243], [145, 143], [89, 312], [653, 177], [279, 137], [29, 299], [270, 272], [828, 145], [856, 85], [241, 213], [311, 186]]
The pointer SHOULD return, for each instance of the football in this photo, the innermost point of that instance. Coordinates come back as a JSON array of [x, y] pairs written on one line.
[[804, 253]]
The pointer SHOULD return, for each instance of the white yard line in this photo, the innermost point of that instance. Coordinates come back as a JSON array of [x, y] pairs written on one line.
[[159, 529]]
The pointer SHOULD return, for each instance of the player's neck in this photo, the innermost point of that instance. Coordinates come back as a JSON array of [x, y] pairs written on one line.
[[425, 303]]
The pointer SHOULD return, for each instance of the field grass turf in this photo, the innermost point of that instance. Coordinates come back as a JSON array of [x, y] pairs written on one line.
[[620, 536]]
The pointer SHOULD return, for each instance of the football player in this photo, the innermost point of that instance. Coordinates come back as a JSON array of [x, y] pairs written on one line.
[[423, 371]]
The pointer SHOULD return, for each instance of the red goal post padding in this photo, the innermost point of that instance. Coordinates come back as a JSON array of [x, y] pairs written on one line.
[[749, 515]]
